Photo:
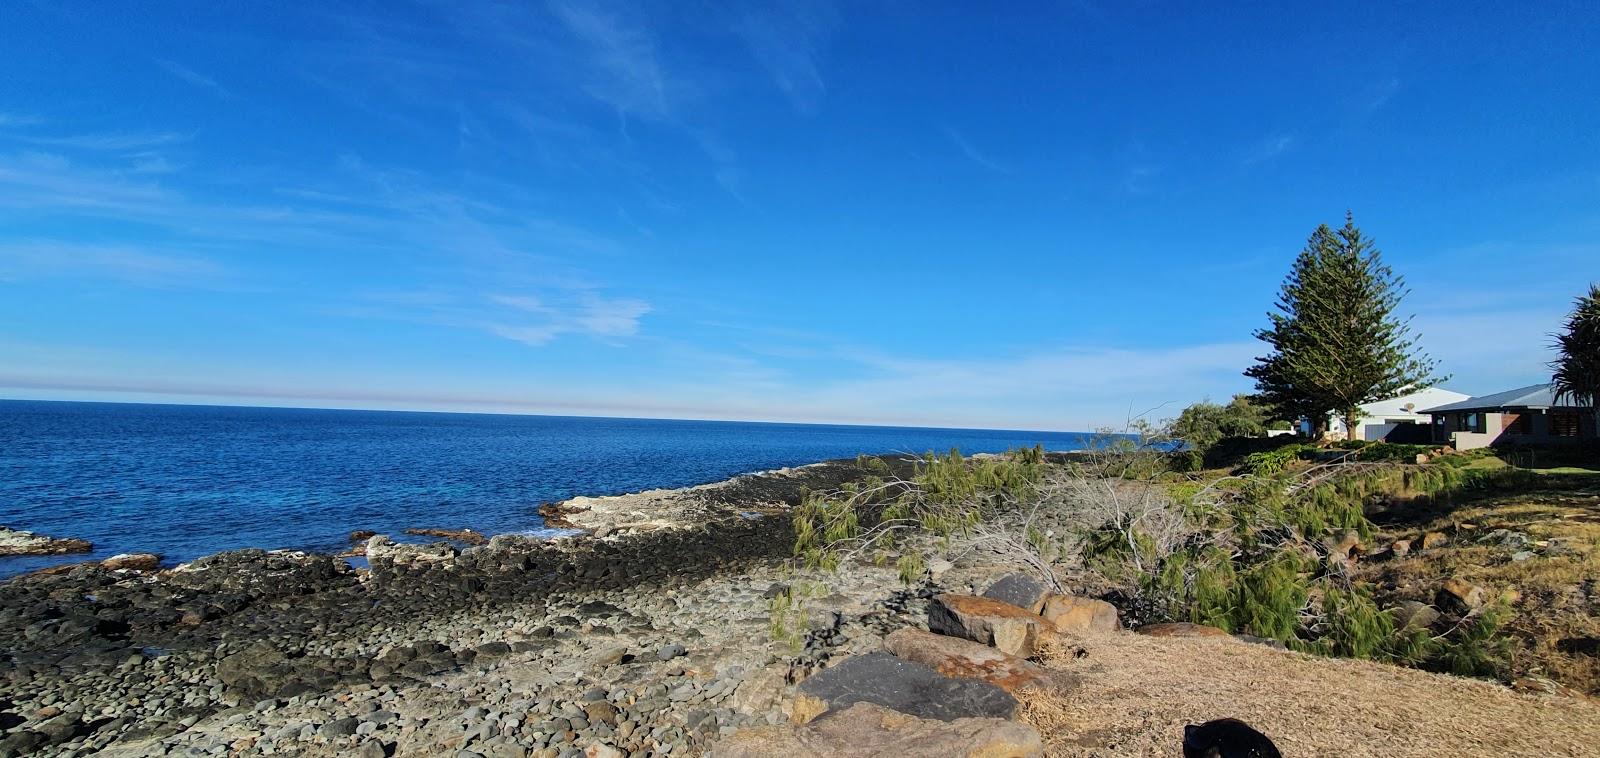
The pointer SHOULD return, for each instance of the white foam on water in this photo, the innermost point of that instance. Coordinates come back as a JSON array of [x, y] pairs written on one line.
[[549, 533]]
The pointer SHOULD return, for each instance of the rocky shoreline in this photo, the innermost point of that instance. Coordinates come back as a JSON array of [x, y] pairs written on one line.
[[673, 623], [649, 633], [18, 542]]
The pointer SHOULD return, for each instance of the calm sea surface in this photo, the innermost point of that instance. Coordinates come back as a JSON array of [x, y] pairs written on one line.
[[187, 481]]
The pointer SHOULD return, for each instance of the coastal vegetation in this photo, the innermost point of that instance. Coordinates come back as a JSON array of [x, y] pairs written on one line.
[[1205, 423], [1336, 340], [1369, 550], [1287, 547]]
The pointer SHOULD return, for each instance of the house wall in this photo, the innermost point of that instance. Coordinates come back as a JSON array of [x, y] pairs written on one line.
[[1495, 426], [1378, 419]]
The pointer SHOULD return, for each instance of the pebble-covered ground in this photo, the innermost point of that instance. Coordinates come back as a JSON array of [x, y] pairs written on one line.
[[653, 641], [638, 673]]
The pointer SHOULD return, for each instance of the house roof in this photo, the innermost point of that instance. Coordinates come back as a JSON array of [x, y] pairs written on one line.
[[1534, 396], [1412, 403]]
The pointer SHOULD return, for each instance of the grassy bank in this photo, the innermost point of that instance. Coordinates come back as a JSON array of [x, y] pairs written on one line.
[[1462, 564]]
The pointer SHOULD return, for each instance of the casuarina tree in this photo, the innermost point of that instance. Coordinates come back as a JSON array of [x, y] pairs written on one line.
[[1577, 367], [1336, 340]]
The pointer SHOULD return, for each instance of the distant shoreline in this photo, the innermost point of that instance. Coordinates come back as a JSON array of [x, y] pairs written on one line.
[[189, 481]]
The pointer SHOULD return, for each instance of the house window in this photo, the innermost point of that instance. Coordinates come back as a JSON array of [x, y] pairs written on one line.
[[1563, 424], [1469, 422]]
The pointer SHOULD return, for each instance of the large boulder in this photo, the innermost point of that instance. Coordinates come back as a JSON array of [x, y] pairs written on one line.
[[132, 562], [262, 573], [965, 659], [380, 549], [1011, 629], [1412, 614], [1020, 590], [1076, 615], [905, 686], [1459, 594], [872, 731]]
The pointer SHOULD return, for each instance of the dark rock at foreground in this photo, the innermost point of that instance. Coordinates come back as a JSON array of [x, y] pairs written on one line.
[[901, 685], [1019, 590], [865, 729]]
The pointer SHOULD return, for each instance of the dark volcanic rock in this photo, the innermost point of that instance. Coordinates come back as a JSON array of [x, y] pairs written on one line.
[[1019, 590], [901, 685], [262, 574]]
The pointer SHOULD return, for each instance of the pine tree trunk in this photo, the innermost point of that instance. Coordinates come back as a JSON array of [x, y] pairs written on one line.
[[1351, 418]]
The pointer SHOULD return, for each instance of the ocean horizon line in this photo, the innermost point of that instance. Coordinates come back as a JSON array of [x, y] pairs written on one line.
[[535, 414]]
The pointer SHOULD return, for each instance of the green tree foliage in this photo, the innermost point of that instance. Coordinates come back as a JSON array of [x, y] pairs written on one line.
[[1206, 423], [1336, 341], [1577, 367]]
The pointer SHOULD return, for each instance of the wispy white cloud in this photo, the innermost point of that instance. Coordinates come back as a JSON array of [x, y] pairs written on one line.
[[972, 153], [108, 141], [1269, 148], [1136, 179], [1067, 388], [528, 318], [788, 39], [19, 119], [195, 78], [1024, 392], [590, 315], [132, 264], [622, 67], [1381, 93]]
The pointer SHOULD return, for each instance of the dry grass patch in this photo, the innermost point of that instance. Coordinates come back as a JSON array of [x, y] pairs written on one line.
[[1138, 693], [1550, 582]]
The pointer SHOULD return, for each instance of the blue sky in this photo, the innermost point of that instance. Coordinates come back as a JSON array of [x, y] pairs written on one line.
[[872, 212]]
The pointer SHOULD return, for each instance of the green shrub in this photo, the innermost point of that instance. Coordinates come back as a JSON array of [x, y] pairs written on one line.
[[1271, 462], [1212, 595], [1353, 625], [1479, 648], [1270, 597], [1185, 461], [1230, 453], [1205, 423], [872, 463], [1330, 508]]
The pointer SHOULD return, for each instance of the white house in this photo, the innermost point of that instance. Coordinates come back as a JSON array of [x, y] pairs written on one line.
[[1381, 419]]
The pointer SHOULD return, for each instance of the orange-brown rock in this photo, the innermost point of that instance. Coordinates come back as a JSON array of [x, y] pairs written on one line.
[[1075, 615], [1463, 594], [980, 619], [965, 659], [132, 562], [555, 515], [1182, 629]]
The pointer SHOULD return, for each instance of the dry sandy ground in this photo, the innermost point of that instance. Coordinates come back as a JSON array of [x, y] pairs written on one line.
[[1139, 692]]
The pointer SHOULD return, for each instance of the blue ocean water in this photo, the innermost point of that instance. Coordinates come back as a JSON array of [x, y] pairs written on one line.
[[187, 481]]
